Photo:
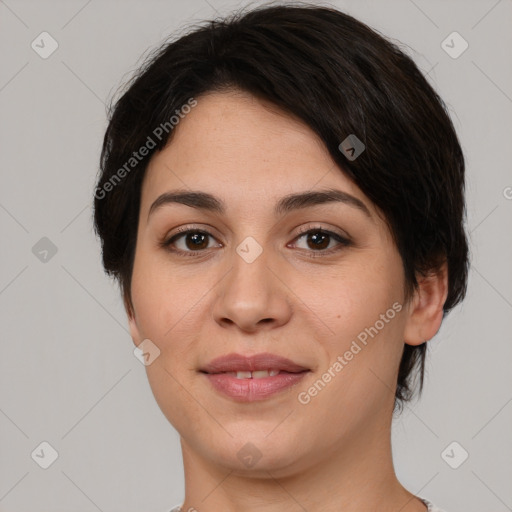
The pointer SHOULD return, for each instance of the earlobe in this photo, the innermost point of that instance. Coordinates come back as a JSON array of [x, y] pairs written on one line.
[[426, 307]]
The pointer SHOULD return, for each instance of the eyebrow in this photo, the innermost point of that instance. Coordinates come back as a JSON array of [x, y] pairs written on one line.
[[291, 202]]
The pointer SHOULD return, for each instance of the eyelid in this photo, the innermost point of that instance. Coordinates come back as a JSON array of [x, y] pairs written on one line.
[[312, 227], [192, 227], [167, 240], [343, 240]]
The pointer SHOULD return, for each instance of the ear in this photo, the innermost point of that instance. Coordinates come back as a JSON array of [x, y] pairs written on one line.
[[132, 322], [426, 307]]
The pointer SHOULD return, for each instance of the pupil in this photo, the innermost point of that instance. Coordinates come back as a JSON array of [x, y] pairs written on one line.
[[319, 237], [197, 239]]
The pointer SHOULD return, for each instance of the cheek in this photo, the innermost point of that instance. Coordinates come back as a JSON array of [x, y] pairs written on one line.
[[164, 305], [364, 311], [162, 299], [350, 299]]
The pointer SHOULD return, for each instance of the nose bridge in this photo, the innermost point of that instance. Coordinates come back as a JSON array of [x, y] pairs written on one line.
[[251, 295]]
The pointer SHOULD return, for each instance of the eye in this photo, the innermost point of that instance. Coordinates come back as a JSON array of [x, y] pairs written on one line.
[[319, 240], [189, 242]]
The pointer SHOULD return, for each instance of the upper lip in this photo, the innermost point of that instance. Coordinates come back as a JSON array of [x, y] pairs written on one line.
[[239, 363]]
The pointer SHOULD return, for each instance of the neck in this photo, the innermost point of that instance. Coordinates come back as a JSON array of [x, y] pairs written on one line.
[[359, 475]]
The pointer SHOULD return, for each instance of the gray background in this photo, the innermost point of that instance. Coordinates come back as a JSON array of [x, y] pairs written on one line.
[[68, 375]]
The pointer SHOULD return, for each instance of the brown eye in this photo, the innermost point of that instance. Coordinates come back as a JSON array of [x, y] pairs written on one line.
[[319, 240], [196, 240], [193, 242], [188, 242]]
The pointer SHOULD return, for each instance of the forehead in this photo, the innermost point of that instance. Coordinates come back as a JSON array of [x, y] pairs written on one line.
[[234, 145]]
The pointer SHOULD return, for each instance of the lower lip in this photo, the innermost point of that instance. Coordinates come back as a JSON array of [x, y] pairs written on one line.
[[251, 390]]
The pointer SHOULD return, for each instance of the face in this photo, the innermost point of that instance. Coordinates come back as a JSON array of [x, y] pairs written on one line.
[[317, 282]]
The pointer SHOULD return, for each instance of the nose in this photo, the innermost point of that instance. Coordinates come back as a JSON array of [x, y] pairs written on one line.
[[252, 296]]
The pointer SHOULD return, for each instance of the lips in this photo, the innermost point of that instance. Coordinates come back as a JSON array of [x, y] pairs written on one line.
[[236, 363], [253, 378]]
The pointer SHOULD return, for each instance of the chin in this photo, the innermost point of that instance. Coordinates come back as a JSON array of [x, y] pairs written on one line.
[[259, 454]]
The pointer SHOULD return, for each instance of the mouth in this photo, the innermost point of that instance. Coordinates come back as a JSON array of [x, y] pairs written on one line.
[[254, 378], [255, 366], [258, 374]]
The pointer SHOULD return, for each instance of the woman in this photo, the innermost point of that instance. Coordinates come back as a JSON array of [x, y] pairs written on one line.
[[281, 199]]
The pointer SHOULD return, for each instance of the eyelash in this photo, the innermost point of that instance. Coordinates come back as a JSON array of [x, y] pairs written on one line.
[[342, 241]]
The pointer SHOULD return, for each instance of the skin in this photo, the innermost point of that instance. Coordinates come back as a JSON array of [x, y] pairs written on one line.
[[333, 453]]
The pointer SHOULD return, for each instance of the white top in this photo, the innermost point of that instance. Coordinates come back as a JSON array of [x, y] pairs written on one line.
[[431, 507]]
